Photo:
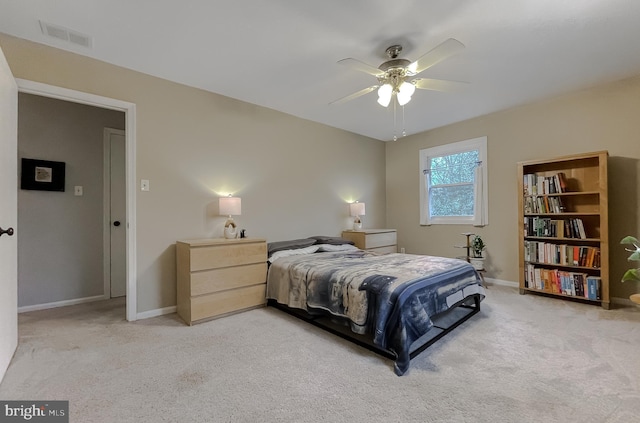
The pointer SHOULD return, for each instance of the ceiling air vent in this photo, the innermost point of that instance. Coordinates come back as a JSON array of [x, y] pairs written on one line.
[[65, 34]]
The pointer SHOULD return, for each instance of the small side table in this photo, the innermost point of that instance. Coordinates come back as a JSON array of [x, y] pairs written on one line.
[[467, 247], [481, 273]]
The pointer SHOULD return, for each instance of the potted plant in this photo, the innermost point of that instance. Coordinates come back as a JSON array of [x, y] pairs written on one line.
[[632, 274], [477, 247]]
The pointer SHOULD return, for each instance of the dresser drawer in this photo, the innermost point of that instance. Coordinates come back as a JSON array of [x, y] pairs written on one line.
[[381, 239], [216, 256], [218, 303], [217, 277], [215, 280], [385, 250], [369, 239]]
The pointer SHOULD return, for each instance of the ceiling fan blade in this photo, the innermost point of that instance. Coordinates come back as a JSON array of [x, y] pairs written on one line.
[[438, 84], [436, 55], [354, 95], [360, 66]]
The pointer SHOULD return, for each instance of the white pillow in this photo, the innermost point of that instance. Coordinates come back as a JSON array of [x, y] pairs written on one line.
[[341, 247], [298, 251]]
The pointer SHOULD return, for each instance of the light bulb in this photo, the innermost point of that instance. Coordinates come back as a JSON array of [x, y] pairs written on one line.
[[407, 88], [384, 95], [406, 91]]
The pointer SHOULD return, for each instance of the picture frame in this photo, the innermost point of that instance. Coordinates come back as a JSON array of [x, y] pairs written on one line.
[[42, 175]]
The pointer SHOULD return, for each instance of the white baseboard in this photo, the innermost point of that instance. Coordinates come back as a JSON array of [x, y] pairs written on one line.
[[614, 300], [511, 284], [63, 303], [623, 301], [156, 312]]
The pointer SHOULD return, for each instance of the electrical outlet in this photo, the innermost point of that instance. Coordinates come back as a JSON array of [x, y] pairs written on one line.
[[402, 250]]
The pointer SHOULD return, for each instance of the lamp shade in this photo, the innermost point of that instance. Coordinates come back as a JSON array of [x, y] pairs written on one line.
[[356, 209], [384, 95], [230, 206], [406, 91]]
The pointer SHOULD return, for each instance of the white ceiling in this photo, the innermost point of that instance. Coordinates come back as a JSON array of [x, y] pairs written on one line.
[[282, 54]]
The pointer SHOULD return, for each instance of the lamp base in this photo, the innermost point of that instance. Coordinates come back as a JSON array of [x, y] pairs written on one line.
[[357, 224], [230, 229]]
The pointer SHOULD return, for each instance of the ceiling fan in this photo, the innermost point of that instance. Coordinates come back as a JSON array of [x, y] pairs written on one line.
[[394, 75]]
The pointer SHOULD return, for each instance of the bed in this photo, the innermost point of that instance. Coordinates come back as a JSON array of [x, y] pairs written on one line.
[[394, 304]]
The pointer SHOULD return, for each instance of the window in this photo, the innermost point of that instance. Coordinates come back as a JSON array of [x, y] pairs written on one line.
[[453, 183]]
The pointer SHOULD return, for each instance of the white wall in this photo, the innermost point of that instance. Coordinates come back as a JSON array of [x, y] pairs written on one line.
[[8, 216], [60, 248]]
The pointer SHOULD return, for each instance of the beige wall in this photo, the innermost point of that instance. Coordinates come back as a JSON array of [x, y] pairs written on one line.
[[601, 118], [294, 176]]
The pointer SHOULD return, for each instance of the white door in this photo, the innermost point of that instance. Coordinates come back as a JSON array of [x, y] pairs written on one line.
[[8, 215], [115, 150]]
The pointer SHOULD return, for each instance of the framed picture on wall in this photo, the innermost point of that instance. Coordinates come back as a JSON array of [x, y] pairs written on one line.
[[42, 175]]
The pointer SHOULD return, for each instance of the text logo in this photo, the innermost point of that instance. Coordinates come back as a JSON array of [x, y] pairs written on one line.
[[34, 411]]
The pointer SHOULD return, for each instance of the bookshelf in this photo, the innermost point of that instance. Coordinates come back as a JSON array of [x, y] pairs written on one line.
[[563, 227]]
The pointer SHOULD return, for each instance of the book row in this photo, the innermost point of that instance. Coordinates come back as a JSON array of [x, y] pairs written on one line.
[[561, 254], [562, 282], [555, 228], [541, 204], [540, 185]]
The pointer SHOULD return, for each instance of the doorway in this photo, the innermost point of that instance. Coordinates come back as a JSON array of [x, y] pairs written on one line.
[[128, 224]]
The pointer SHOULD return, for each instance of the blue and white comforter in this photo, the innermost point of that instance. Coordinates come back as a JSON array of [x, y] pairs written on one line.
[[393, 295]]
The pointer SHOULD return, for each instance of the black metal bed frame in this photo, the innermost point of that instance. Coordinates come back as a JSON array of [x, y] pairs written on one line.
[[442, 325]]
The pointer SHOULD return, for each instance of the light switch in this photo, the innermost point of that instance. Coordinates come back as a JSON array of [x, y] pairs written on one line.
[[144, 185], [77, 190]]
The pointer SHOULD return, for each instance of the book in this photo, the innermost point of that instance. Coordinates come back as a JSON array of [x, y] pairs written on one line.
[[537, 278], [583, 256], [592, 283], [581, 231], [578, 284], [562, 182]]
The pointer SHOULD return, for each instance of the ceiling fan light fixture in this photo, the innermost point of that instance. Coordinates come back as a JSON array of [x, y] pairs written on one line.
[[394, 74], [407, 88], [402, 99], [405, 92], [384, 95]]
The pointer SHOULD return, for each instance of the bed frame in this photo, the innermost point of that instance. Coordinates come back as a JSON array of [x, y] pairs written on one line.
[[443, 323]]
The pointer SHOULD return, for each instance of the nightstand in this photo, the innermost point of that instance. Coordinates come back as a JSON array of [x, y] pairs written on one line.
[[378, 240], [217, 277]]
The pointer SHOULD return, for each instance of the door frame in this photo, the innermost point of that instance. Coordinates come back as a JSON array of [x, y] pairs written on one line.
[[106, 204], [129, 109]]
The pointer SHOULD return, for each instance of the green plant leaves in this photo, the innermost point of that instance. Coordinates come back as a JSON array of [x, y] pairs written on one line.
[[631, 275]]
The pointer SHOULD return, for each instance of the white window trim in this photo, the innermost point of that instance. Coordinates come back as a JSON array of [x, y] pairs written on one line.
[[479, 144]]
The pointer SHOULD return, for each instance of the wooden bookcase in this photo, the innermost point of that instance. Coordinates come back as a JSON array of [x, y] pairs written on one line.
[[563, 232]]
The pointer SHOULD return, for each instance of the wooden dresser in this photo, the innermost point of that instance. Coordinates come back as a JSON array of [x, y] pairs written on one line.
[[220, 276], [378, 240]]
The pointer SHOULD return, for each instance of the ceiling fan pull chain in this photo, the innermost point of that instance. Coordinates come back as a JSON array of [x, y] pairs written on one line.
[[395, 127], [404, 132]]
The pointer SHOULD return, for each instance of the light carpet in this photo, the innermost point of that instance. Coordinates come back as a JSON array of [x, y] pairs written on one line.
[[523, 358]]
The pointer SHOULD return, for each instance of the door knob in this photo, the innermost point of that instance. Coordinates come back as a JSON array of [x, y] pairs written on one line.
[[6, 231], [116, 223]]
